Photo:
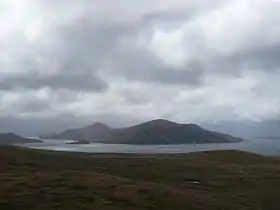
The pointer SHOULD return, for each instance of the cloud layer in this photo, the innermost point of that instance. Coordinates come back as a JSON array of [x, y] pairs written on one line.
[[128, 61]]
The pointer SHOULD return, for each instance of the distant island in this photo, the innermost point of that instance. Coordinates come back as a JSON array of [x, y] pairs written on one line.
[[153, 132], [10, 139]]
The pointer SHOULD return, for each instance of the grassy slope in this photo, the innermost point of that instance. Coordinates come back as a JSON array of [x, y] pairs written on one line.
[[32, 179]]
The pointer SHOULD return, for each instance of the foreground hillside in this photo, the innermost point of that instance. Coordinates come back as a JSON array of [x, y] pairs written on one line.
[[231, 180], [152, 132]]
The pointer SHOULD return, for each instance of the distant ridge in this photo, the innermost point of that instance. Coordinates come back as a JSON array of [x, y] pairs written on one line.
[[157, 131], [10, 139]]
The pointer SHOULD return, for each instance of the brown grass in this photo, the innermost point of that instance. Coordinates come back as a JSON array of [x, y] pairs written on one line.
[[33, 179]]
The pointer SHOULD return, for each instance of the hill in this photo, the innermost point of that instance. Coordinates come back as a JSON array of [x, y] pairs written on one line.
[[152, 132], [45, 180], [10, 139]]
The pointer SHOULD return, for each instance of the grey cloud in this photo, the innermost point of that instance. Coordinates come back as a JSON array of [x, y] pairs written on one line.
[[161, 17], [141, 65], [265, 58], [74, 54], [86, 43], [32, 105], [165, 75], [70, 60], [37, 126], [78, 49], [76, 81]]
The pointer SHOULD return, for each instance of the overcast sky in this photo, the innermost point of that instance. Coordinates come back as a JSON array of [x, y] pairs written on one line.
[[72, 62]]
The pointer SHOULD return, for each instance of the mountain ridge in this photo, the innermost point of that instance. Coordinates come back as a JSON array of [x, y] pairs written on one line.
[[158, 131]]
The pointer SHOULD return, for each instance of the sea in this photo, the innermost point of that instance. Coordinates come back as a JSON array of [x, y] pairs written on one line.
[[263, 146]]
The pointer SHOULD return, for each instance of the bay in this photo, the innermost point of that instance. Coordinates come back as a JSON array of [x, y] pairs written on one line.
[[270, 147]]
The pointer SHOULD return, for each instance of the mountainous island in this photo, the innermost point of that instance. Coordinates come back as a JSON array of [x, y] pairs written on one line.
[[10, 139], [153, 132]]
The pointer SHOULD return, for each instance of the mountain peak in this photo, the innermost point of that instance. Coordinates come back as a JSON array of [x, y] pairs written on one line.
[[161, 122], [98, 125]]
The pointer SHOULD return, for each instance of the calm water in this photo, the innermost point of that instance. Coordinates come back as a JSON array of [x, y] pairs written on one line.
[[261, 146]]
